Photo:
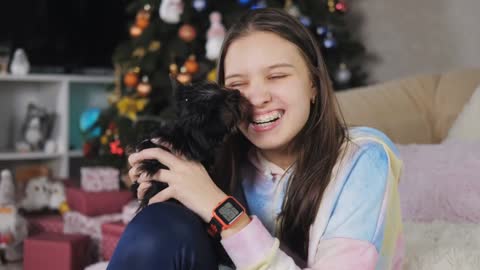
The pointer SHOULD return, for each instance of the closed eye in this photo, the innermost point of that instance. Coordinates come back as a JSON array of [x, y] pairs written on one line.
[[235, 85], [279, 76]]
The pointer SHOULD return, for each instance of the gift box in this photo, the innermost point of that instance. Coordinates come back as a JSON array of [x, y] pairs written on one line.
[[75, 222], [96, 179], [96, 203], [111, 233], [49, 223], [55, 251]]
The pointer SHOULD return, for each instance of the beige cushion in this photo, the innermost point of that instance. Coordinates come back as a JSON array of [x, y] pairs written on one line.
[[418, 109]]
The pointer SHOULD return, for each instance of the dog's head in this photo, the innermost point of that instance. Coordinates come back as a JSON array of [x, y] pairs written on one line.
[[207, 106]]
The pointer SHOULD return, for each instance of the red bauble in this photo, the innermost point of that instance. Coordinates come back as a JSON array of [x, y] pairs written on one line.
[[341, 6], [144, 88], [191, 64], [187, 33], [142, 19], [116, 148], [130, 79]]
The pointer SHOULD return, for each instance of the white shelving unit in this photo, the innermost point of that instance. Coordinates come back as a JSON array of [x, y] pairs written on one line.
[[66, 95]]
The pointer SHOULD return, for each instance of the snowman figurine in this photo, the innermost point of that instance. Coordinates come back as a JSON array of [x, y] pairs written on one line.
[[171, 10], [215, 36], [20, 64], [13, 227]]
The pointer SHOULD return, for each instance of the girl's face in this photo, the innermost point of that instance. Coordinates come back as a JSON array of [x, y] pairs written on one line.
[[273, 75]]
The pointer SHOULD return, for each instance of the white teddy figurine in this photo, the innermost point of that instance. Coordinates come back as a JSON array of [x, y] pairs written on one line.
[[37, 194]]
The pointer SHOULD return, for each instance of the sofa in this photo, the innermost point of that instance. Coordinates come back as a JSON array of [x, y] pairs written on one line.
[[440, 184]]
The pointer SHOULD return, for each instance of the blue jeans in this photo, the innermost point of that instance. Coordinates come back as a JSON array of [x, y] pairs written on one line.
[[165, 236]]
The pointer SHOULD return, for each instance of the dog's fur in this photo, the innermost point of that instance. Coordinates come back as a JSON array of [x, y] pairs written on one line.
[[206, 115]]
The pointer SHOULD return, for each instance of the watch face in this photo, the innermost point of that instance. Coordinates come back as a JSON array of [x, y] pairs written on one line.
[[228, 212]]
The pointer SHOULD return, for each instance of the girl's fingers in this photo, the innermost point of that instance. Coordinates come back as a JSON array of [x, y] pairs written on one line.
[[142, 188], [132, 173], [162, 196], [164, 157], [163, 175]]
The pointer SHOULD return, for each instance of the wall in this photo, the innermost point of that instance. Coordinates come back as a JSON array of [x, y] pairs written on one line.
[[419, 36]]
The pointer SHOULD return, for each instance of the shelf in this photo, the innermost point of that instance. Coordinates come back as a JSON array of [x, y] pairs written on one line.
[[27, 156], [75, 153], [56, 78]]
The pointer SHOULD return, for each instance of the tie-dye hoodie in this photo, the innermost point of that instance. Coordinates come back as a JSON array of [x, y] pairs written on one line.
[[358, 224]]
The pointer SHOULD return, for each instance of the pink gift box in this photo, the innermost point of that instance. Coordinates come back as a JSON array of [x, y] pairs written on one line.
[[48, 223], [97, 179], [55, 251], [97, 203], [111, 233]]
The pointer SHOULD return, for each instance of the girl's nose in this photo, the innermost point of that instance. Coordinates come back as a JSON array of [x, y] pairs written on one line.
[[258, 94]]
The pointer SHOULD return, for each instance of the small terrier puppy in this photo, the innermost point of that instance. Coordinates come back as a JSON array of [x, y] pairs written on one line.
[[206, 114]]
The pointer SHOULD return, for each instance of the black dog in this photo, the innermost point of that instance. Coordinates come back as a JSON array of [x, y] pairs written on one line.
[[206, 115]]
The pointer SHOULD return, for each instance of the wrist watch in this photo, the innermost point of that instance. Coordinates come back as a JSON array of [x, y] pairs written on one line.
[[224, 216]]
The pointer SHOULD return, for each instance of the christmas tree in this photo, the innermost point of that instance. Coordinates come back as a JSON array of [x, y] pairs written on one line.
[[181, 40]]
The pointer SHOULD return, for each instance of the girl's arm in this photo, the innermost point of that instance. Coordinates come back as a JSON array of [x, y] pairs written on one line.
[[355, 232]]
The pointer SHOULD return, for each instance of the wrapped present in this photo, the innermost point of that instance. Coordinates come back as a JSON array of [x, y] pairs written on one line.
[[111, 233], [129, 211], [48, 223], [55, 251], [97, 203], [75, 222], [95, 179]]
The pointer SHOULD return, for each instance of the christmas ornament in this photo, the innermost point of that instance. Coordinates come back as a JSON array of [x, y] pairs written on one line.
[[171, 10], [341, 6], [116, 148], [322, 30], [212, 75], [191, 64], [131, 79], [331, 6], [184, 77], [20, 64], [154, 46], [135, 31], [139, 52], [144, 88], [199, 5], [87, 119], [187, 33], [244, 2], [143, 18], [173, 69], [329, 42], [305, 21], [292, 9], [129, 108], [215, 36], [343, 74]]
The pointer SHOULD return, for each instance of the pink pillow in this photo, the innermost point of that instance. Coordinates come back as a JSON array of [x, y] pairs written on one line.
[[441, 181]]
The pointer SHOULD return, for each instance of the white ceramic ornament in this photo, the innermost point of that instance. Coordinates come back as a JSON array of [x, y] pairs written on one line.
[[215, 36], [57, 195], [20, 64], [7, 188], [171, 10], [33, 133]]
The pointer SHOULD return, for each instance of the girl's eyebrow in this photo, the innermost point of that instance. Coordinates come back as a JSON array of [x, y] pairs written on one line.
[[269, 67]]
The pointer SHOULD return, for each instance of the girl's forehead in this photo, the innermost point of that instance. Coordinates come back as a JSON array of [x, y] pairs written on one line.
[[260, 50]]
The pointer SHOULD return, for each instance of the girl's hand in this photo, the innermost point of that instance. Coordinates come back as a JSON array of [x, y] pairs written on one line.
[[188, 181]]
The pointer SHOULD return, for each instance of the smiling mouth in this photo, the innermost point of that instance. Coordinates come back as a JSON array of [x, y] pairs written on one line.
[[268, 119]]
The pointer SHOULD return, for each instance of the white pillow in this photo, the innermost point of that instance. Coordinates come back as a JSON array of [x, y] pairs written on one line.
[[441, 246], [467, 125]]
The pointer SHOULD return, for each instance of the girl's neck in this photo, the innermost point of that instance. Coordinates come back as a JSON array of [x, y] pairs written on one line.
[[282, 159]]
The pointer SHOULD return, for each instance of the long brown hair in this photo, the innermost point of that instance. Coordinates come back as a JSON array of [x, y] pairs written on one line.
[[318, 144]]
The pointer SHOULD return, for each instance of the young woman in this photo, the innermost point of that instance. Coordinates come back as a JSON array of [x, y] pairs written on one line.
[[318, 194]]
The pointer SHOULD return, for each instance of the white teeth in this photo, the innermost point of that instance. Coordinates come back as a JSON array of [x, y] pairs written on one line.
[[264, 119]]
